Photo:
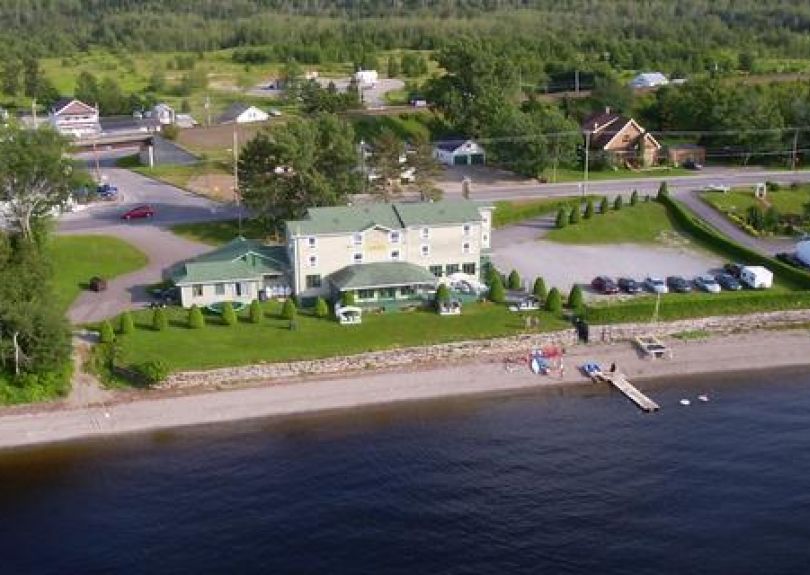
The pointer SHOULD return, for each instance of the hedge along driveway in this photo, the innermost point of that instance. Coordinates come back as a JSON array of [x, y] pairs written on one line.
[[217, 345]]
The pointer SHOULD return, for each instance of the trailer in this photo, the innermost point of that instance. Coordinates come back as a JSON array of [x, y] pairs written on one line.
[[756, 277]]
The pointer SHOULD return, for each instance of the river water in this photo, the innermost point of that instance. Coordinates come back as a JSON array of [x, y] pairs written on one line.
[[571, 480]]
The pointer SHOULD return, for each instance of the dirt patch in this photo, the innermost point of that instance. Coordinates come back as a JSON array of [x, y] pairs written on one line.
[[214, 186], [218, 138]]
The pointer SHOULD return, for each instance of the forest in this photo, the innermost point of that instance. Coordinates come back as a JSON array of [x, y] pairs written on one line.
[[545, 35]]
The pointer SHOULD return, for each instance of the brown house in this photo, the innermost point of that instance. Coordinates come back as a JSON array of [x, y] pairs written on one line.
[[621, 139]]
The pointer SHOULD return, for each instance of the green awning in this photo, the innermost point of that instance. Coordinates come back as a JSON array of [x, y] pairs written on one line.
[[380, 275]]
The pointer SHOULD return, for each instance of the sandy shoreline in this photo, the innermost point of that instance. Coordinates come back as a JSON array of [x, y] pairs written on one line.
[[749, 351]]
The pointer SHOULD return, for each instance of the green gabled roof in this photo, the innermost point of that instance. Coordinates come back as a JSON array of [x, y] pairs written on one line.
[[346, 219], [239, 259], [381, 274], [434, 213]]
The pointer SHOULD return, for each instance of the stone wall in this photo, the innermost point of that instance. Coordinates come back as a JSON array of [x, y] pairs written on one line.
[[454, 352]]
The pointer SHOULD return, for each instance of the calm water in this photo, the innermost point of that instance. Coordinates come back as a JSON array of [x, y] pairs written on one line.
[[568, 481]]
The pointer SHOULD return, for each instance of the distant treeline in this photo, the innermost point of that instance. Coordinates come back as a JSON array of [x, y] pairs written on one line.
[[675, 37]]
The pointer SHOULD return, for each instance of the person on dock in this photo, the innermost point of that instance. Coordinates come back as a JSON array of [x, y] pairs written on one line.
[[613, 367]]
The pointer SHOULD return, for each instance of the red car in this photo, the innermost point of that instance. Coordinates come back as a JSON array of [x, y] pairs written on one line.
[[139, 212]]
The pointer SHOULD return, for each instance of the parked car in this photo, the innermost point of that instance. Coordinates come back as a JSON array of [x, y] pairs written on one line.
[[728, 282], [629, 285], [656, 285], [144, 211], [678, 284], [733, 269], [707, 283], [106, 191], [692, 165], [605, 285], [717, 188]]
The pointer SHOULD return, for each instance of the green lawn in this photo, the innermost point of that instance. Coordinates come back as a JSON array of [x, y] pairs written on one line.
[[218, 233], [217, 345], [570, 175], [509, 212], [644, 223], [785, 200], [78, 258]]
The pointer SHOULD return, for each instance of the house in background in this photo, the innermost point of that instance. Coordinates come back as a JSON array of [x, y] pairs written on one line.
[[621, 140], [388, 255], [163, 113], [648, 80], [366, 78], [74, 119], [459, 153], [242, 114], [240, 271]]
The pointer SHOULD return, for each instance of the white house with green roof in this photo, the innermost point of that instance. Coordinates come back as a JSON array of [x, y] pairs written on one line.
[[240, 271], [386, 253]]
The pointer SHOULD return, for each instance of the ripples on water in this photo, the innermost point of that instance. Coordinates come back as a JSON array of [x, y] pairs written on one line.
[[565, 481]]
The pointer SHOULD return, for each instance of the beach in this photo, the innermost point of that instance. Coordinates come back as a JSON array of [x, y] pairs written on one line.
[[133, 412]]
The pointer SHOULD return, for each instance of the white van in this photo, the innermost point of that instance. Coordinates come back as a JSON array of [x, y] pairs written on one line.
[[756, 277]]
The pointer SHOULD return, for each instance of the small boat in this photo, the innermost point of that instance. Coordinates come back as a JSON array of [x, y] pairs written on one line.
[[685, 402], [539, 364], [591, 369], [703, 398]]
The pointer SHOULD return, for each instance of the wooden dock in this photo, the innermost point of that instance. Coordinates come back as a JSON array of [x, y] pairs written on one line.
[[620, 382]]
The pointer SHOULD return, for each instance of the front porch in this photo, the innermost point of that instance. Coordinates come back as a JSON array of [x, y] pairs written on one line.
[[388, 286]]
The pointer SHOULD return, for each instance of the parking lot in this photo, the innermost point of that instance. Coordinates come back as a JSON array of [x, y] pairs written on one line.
[[563, 265]]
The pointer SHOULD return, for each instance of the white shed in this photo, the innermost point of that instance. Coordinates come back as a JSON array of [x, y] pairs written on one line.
[[243, 114], [459, 153], [366, 78], [649, 80]]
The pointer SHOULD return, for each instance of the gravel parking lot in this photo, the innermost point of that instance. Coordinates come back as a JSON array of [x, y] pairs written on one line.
[[562, 265]]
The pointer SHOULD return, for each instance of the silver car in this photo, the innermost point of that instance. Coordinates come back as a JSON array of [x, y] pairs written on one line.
[[707, 284], [656, 285]]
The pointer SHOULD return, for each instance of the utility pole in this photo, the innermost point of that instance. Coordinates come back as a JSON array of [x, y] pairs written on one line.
[[576, 81], [795, 148], [587, 161], [34, 111], [236, 193]]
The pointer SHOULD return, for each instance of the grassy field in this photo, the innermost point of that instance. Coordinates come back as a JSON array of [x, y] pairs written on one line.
[[570, 175], [644, 223], [218, 233], [785, 200], [217, 345], [81, 257], [509, 212]]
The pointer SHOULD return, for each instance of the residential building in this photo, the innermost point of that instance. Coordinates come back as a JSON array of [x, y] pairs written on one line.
[[387, 254], [163, 113], [74, 119], [242, 114], [648, 80], [459, 153], [620, 139], [366, 78], [240, 271]]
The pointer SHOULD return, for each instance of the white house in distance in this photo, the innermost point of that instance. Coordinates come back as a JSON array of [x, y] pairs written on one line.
[[74, 119], [366, 78], [163, 113], [649, 80], [459, 153], [242, 114]]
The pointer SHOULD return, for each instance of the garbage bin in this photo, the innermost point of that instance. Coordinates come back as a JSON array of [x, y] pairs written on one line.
[[98, 284]]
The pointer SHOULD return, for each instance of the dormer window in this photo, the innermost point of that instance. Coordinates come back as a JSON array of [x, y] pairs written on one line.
[[425, 233], [357, 239], [393, 237], [465, 248], [312, 242], [467, 228], [357, 258]]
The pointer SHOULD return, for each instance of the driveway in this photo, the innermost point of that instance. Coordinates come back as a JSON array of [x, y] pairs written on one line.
[[163, 248]]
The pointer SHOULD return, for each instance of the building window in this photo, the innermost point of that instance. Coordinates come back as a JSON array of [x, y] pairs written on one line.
[[436, 271], [237, 289], [425, 250], [407, 291], [388, 293], [452, 269], [395, 255], [312, 242], [393, 237], [357, 258], [485, 239], [357, 239], [219, 289], [313, 261], [467, 228], [313, 281], [425, 233], [365, 294], [465, 248], [626, 138], [197, 291], [468, 269]]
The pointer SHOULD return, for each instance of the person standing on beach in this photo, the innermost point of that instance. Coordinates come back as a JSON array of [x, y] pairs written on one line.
[[613, 367]]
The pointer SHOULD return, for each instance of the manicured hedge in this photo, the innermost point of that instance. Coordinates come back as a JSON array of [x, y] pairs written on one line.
[[789, 275]]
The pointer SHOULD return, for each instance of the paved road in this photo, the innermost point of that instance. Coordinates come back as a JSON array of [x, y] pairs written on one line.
[[173, 206]]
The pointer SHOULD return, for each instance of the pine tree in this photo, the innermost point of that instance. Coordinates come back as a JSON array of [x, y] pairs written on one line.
[[228, 315], [289, 310], [562, 218], [663, 191], [514, 280], [256, 312], [576, 214], [618, 203], [347, 298], [575, 298], [554, 301], [159, 321], [588, 210], [496, 291], [321, 308], [604, 206], [539, 290], [634, 198], [127, 325]]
